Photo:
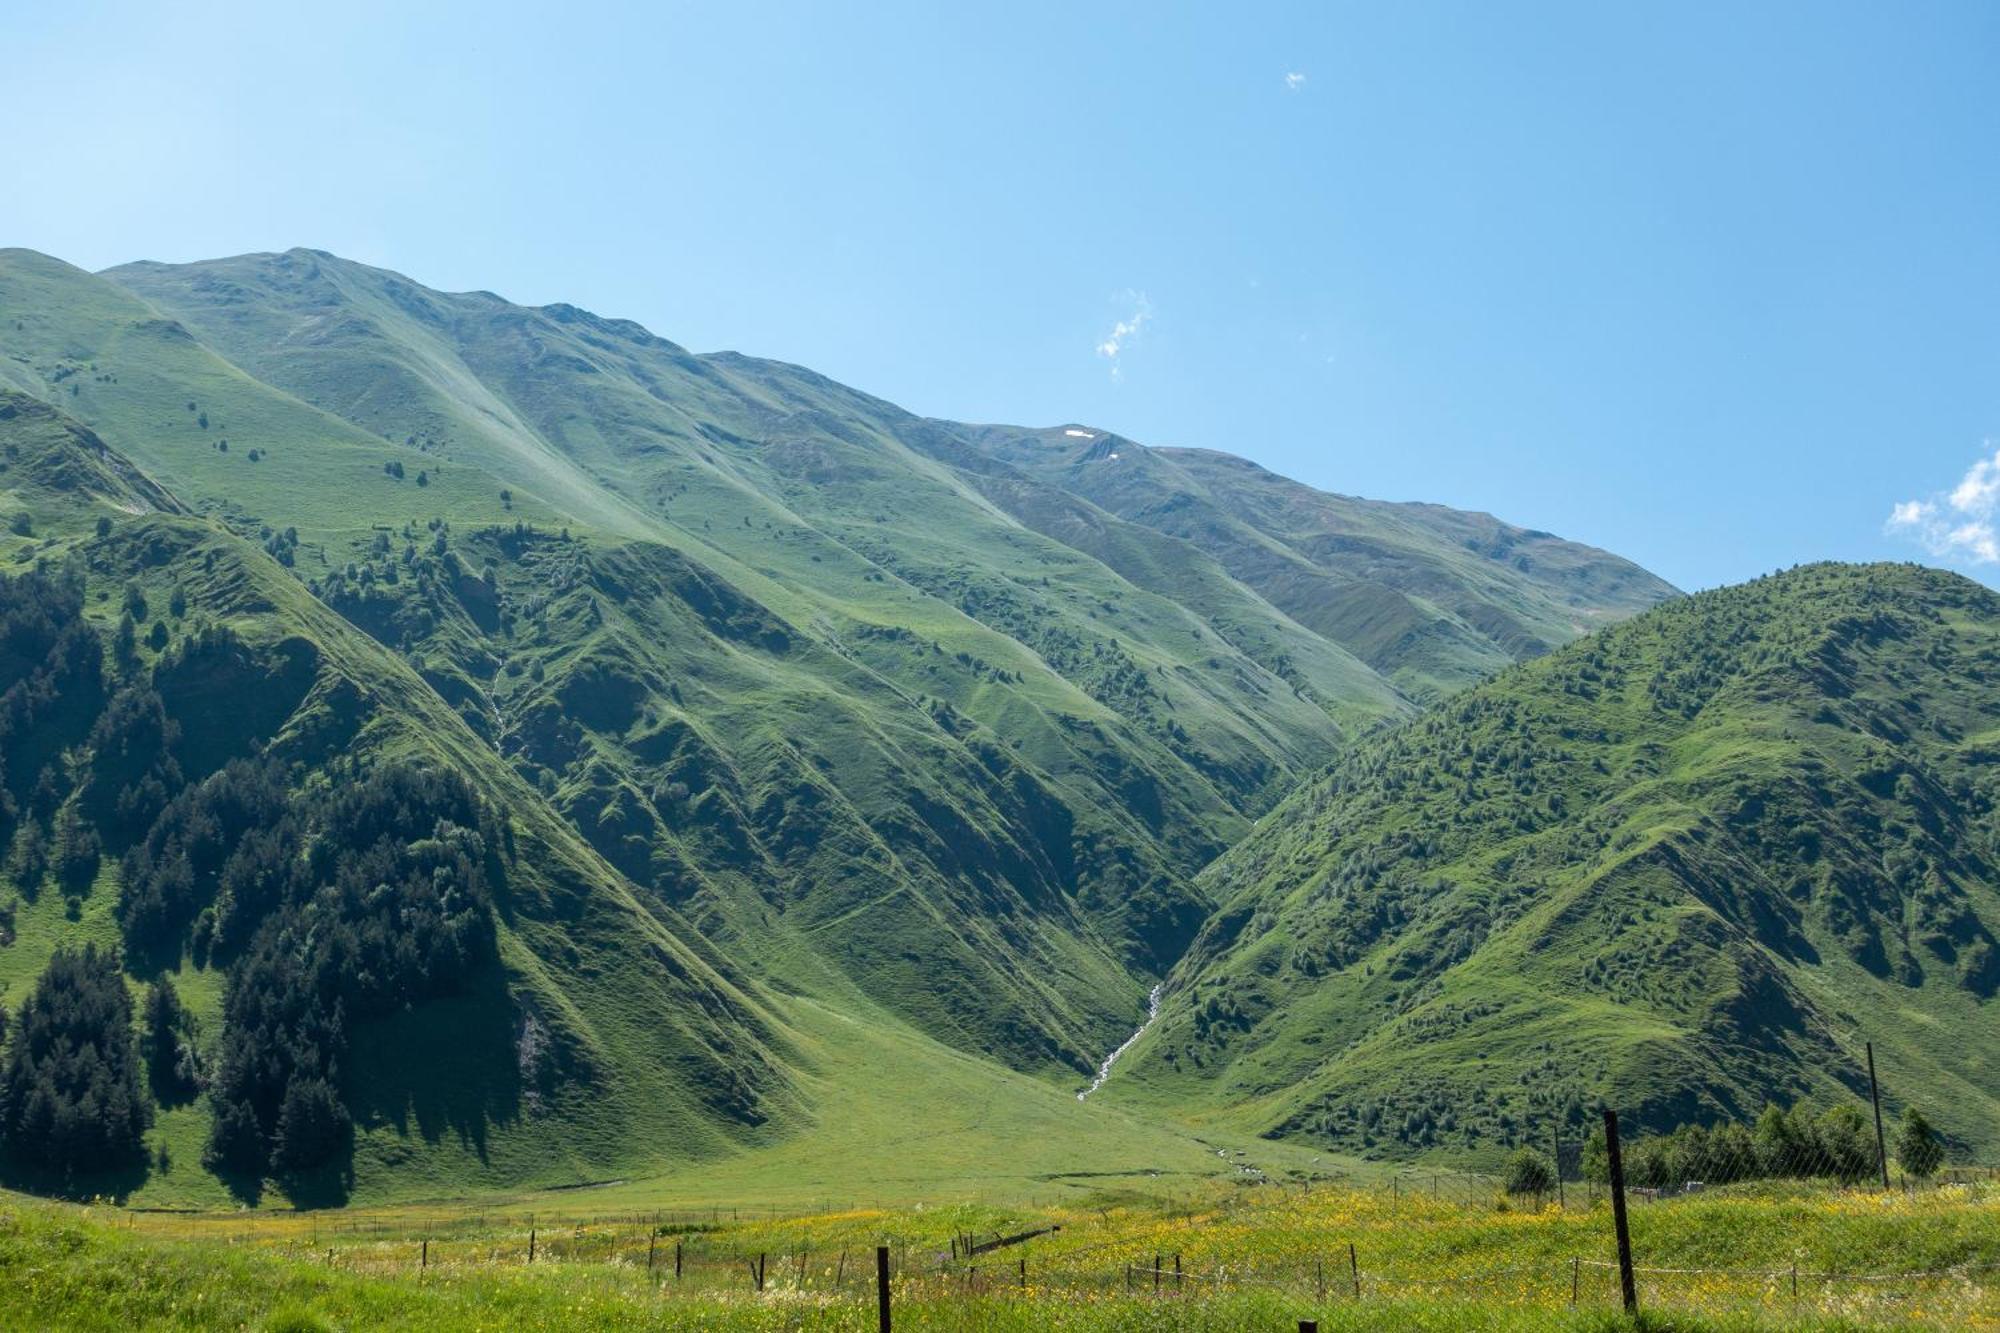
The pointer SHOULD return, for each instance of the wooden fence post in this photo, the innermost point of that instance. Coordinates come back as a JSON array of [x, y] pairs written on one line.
[[1627, 1283], [531, 1244], [1575, 1278], [677, 1261], [1159, 1262], [652, 1247], [1354, 1270], [1556, 1142], [424, 1260], [882, 1285]]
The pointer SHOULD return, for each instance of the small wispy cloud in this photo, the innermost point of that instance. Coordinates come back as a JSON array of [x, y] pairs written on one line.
[[1960, 524], [1125, 330], [1294, 81]]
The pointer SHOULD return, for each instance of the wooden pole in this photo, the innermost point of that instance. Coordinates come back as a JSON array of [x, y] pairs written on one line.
[[677, 1261], [1177, 1272], [1354, 1270], [531, 1244], [1556, 1142], [1159, 1263], [1628, 1284], [1875, 1095], [1575, 1278], [425, 1260], [882, 1285], [1308, 1326]]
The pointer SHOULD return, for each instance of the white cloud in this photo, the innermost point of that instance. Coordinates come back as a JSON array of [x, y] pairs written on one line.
[[1125, 330], [1962, 524], [1294, 81]]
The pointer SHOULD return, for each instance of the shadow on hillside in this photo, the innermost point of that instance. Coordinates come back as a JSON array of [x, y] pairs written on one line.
[[445, 1069], [327, 1187], [114, 1183]]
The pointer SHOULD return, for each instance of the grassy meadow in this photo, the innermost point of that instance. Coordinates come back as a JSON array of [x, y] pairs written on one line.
[[1247, 1257]]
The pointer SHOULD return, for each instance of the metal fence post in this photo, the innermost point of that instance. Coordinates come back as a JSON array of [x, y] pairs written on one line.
[[1626, 1280], [1875, 1095]]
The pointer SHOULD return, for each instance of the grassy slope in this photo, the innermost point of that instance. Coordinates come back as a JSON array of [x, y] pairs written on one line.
[[893, 1114], [1685, 865], [655, 1035], [962, 720], [903, 728], [122, 369], [1434, 598], [773, 694]]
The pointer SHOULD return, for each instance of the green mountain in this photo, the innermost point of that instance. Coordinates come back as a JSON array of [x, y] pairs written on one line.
[[797, 707], [1688, 864], [1431, 597], [146, 651], [953, 691]]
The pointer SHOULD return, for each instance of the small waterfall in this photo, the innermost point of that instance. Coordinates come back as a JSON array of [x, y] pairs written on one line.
[[1104, 1070]]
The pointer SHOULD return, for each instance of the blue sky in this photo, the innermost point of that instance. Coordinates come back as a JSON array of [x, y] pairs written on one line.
[[1710, 285]]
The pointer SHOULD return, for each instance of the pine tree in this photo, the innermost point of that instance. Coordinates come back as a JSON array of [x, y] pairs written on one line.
[[167, 1042], [312, 1125]]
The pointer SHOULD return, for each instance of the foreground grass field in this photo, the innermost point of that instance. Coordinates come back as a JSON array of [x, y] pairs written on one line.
[[1232, 1258]]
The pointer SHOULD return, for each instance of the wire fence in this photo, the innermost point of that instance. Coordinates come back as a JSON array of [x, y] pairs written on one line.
[[1806, 1213]]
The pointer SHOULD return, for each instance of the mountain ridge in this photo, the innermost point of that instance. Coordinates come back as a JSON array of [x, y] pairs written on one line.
[[1686, 865], [873, 718]]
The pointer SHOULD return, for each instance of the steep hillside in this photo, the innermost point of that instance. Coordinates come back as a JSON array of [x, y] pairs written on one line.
[[853, 664], [226, 443], [51, 466], [897, 724], [1687, 864], [1433, 598], [176, 712]]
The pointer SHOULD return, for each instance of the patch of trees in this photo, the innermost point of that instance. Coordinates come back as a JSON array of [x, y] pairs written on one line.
[[51, 685], [213, 847], [328, 909], [1837, 1143], [71, 1100], [352, 905]]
